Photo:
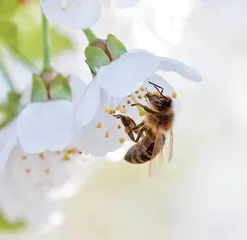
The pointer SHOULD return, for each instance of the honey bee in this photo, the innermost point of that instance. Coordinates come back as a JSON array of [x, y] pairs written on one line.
[[151, 132]]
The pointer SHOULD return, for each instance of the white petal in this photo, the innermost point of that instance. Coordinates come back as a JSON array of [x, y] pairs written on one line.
[[77, 87], [124, 3], [7, 142], [158, 80], [168, 64], [79, 14], [87, 105], [45, 126], [126, 74]]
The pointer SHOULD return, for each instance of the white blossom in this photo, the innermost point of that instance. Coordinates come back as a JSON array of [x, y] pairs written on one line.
[[79, 14], [112, 91]]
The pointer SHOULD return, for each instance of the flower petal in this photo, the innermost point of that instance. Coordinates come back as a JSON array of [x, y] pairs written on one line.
[[77, 87], [168, 64], [7, 142], [80, 14], [45, 126], [124, 3], [87, 105], [126, 74]]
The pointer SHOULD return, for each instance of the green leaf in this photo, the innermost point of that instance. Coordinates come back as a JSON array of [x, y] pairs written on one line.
[[60, 88], [7, 226], [115, 47], [96, 58], [39, 90], [8, 33], [30, 44], [7, 8], [10, 109]]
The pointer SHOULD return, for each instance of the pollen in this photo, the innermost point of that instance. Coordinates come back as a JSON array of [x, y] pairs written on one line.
[[80, 152], [142, 88], [145, 96], [110, 111], [72, 150], [47, 171], [139, 96], [63, 8], [23, 157], [118, 126], [118, 107], [57, 152], [123, 110], [65, 156], [128, 102], [106, 109], [41, 156], [136, 92], [99, 125], [27, 170], [121, 140], [174, 95], [106, 134]]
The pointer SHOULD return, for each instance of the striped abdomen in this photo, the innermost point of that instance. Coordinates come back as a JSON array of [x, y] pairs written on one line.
[[142, 151]]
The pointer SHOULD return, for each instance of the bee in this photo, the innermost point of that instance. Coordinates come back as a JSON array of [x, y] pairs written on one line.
[[151, 132]]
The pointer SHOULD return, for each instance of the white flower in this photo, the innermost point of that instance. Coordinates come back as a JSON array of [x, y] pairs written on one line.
[[39, 165], [33, 184], [113, 89], [80, 14]]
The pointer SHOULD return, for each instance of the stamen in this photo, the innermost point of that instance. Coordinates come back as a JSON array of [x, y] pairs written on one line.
[[27, 170], [80, 152], [99, 125], [72, 150], [47, 171], [128, 102], [136, 92], [23, 157], [106, 134], [41, 156], [106, 109], [121, 140], [65, 156], [118, 107], [142, 88], [174, 95], [110, 111], [118, 126], [123, 110], [57, 152], [139, 96], [64, 5]]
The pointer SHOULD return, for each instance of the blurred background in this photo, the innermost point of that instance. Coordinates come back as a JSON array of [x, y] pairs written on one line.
[[202, 193]]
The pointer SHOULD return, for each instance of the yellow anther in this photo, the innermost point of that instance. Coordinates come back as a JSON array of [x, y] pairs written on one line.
[[72, 150], [106, 109], [23, 157], [118, 107], [142, 88], [41, 156], [99, 125], [174, 95], [118, 126], [47, 171], [121, 140], [123, 110], [139, 96], [110, 111], [136, 92], [106, 134]]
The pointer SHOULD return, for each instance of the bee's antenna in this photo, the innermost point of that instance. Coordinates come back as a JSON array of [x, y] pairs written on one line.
[[157, 87]]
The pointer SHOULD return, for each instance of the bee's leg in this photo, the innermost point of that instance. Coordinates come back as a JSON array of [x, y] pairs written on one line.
[[139, 135], [137, 127], [147, 109], [128, 123]]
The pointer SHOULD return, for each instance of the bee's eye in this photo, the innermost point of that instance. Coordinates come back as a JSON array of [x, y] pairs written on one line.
[[158, 104]]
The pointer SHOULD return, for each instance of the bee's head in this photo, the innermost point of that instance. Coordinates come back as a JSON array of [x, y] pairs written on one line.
[[159, 102]]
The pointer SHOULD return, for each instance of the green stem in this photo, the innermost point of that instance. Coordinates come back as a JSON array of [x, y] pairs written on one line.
[[140, 110], [91, 37], [46, 44], [7, 77]]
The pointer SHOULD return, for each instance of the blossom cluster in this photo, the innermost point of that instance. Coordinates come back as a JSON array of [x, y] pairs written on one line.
[[67, 128]]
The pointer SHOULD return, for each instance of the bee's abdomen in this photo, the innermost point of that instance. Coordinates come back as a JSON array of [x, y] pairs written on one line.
[[140, 152]]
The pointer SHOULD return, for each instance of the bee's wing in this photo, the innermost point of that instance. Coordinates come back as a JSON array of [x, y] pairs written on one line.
[[170, 146], [156, 162]]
